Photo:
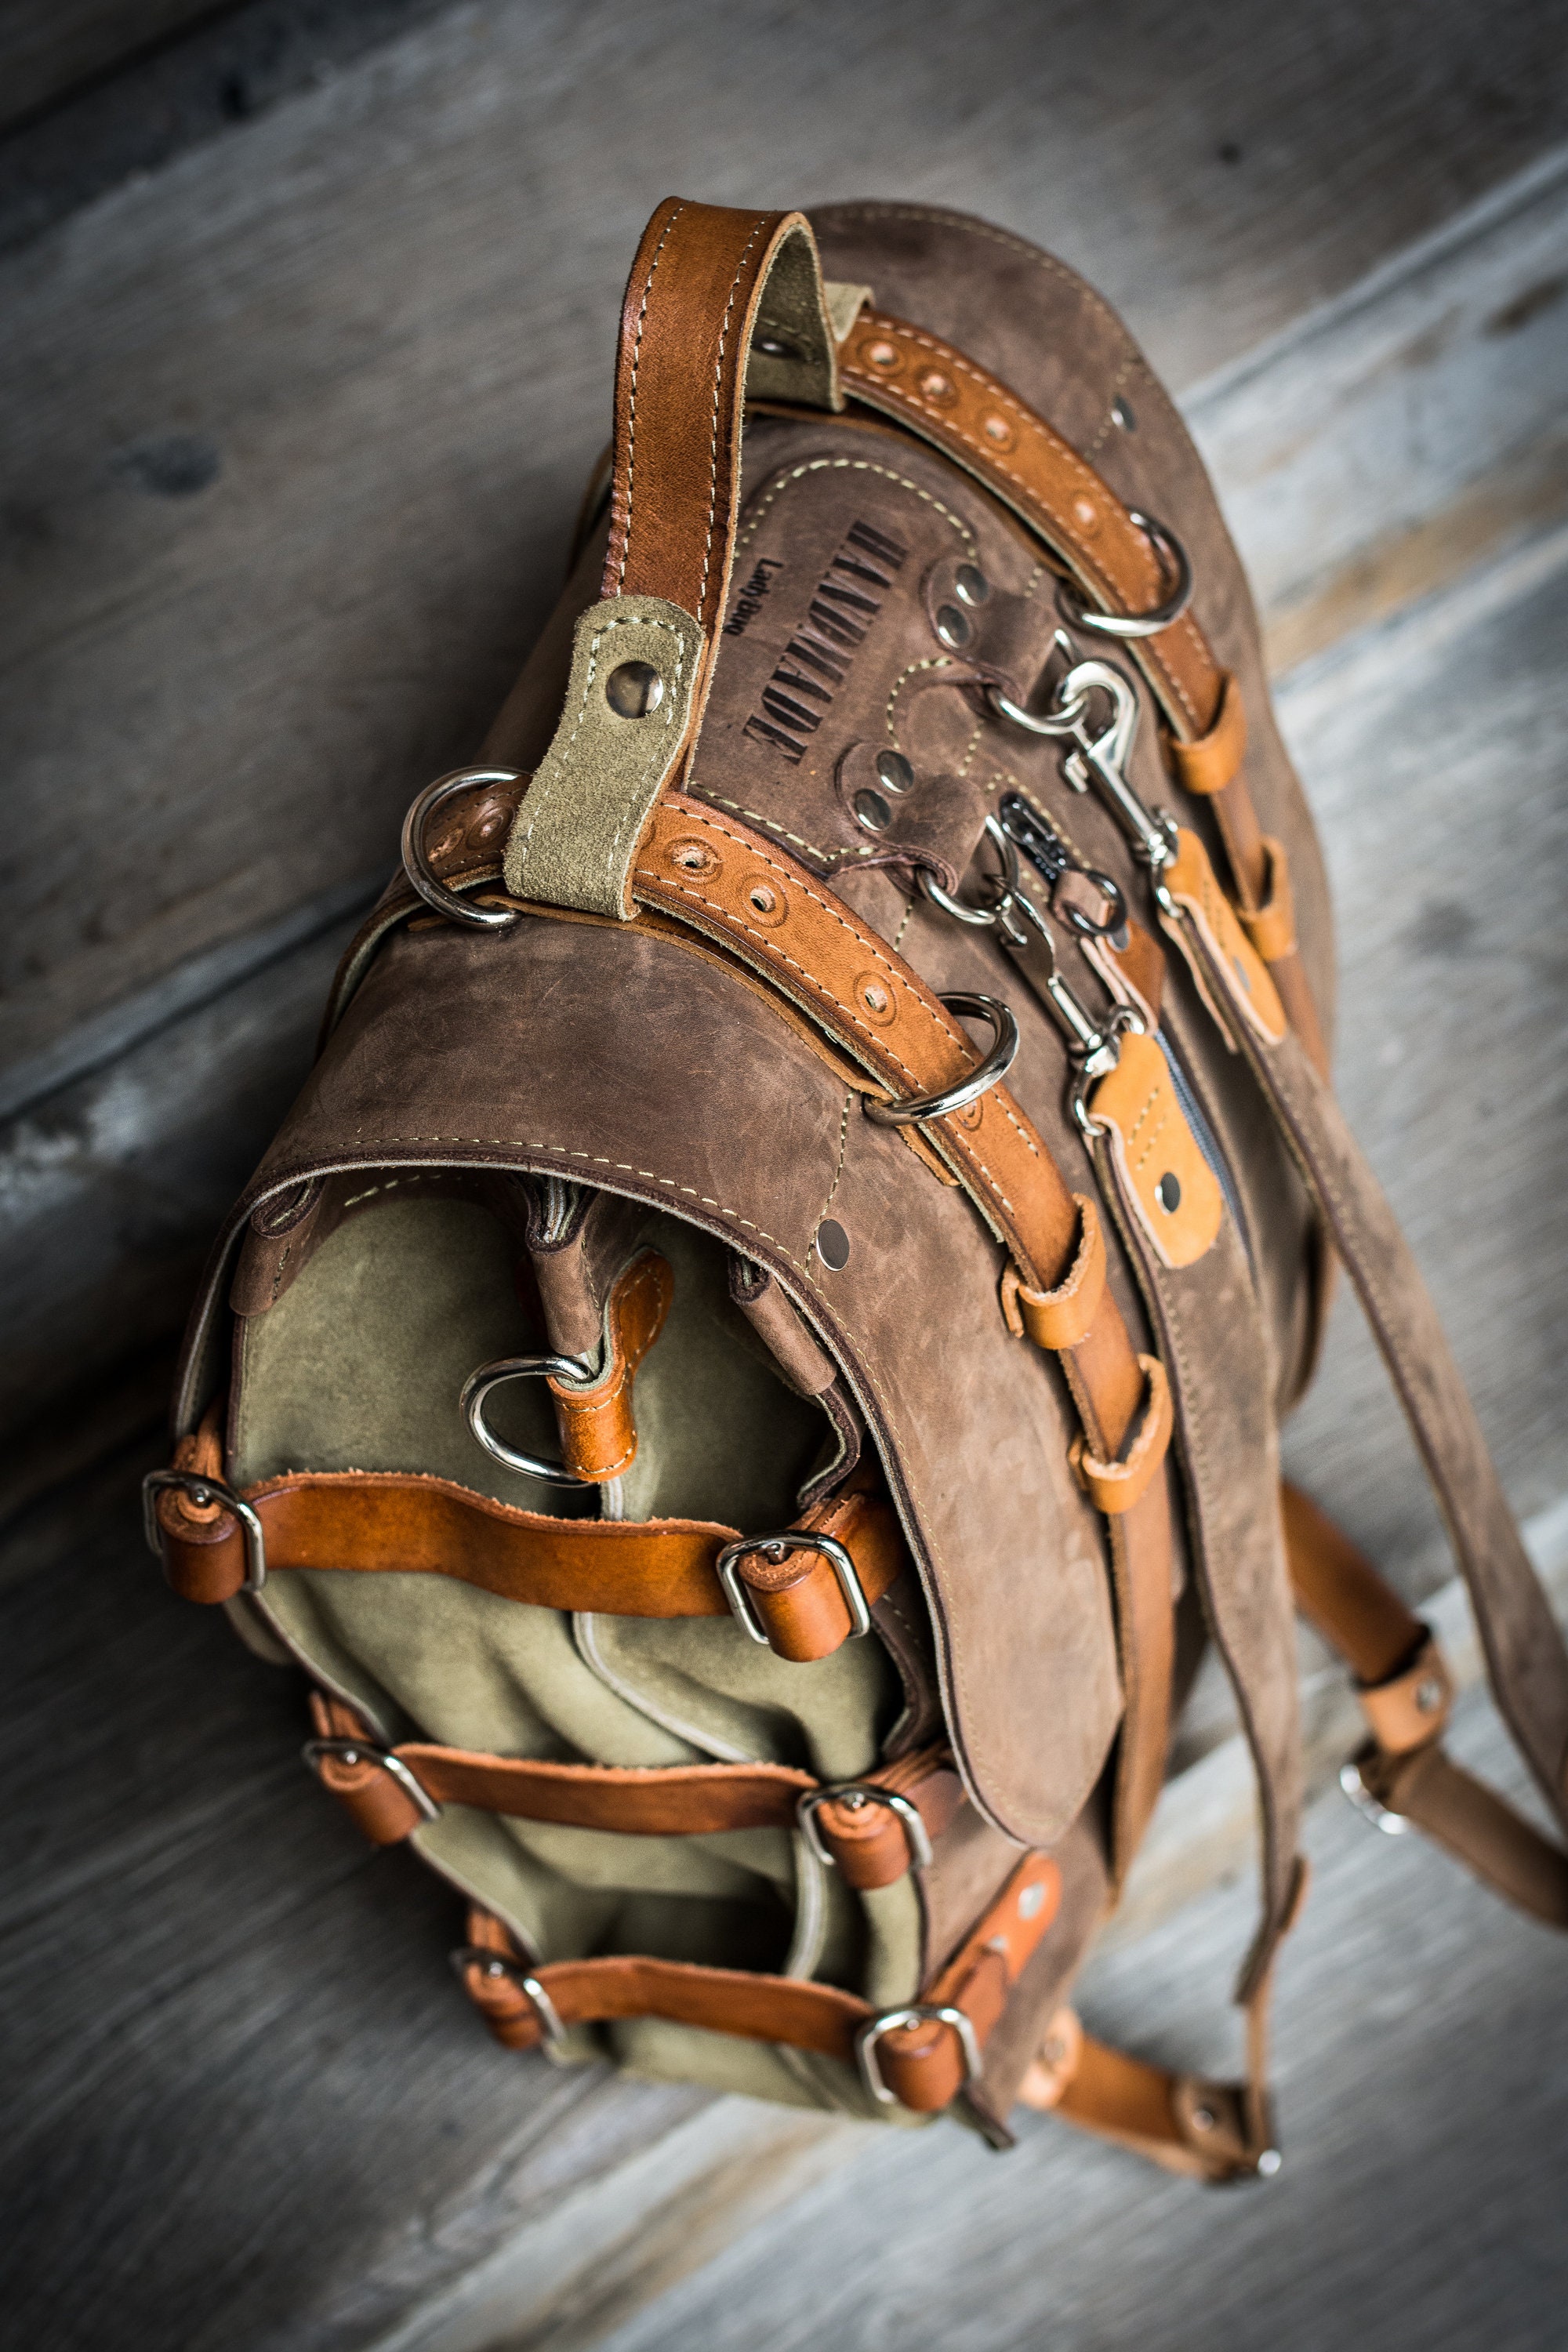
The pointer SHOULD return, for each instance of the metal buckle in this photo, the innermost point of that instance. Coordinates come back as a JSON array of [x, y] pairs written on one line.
[[496, 1964], [917, 2014], [478, 1386], [417, 866], [362, 1751], [855, 1793], [778, 1547], [1381, 1817], [202, 1491], [1173, 555], [986, 1074]]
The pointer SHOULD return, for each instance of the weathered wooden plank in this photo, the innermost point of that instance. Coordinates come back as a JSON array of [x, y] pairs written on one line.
[[47, 51], [294, 427]]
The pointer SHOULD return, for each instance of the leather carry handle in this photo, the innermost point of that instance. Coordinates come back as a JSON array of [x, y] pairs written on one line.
[[718, 302]]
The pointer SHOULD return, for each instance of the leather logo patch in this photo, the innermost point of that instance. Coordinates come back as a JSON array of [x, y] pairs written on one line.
[[816, 659]]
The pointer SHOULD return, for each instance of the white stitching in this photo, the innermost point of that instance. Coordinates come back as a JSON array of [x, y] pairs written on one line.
[[632, 404]]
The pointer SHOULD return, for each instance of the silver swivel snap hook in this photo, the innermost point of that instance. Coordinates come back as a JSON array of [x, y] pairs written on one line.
[[1102, 750]]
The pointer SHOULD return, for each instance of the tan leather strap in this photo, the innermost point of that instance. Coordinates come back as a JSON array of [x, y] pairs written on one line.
[[867, 1840], [922, 2063], [378, 1522], [716, 875], [716, 300], [1527, 1662], [951, 401], [598, 1435], [1186, 2123], [1406, 1693]]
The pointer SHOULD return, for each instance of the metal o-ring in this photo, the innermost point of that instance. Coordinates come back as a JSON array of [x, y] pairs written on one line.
[[983, 918], [477, 1388], [1173, 554], [415, 865], [987, 1073]]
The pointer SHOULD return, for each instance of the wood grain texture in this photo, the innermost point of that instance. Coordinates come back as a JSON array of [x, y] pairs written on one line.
[[293, 428], [45, 52]]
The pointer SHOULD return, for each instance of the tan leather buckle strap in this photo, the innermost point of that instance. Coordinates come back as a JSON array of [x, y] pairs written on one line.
[[922, 2061], [1402, 1775], [860, 1829], [394, 1522], [726, 882]]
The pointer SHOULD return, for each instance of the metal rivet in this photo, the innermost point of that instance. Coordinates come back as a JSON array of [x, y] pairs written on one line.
[[1429, 1694], [880, 355], [873, 812], [1086, 514], [855, 1800], [833, 1245], [972, 583], [634, 690], [938, 388], [952, 627], [1202, 2120], [873, 997], [894, 773], [1168, 1192], [774, 348], [1030, 1899], [495, 1968], [349, 1756], [1122, 414], [998, 432], [1269, 2162]]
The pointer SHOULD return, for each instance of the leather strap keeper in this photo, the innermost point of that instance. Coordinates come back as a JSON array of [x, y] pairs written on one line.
[[1062, 1317], [372, 1522], [598, 1435], [1114, 1487], [1271, 927], [870, 1845], [1411, 1706], [922, 2063], [1210, 765]]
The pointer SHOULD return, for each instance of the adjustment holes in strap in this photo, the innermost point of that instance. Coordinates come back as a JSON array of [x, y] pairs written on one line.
[[416, 859], [764, 901], [694, 859]]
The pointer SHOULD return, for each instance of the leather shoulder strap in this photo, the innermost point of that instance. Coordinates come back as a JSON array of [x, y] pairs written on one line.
[[719, 302]]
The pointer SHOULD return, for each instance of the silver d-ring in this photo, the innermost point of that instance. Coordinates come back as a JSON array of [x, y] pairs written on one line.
[[417, 866], [1173, 555], [983, 915], [477, 1388], [996, 1065]]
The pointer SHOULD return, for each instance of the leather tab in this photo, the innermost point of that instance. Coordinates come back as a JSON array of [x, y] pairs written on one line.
[[799, 1600], [1272, 927], [1189, 880], [869, 1843], [1167, 1184], [1115, 1487], [598, 1435], [376, 1802], [1413, 1706], [1215, 759], [1062, 1317]]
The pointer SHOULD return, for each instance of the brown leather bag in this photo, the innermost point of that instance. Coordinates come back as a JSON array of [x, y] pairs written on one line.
[[701, 1417]]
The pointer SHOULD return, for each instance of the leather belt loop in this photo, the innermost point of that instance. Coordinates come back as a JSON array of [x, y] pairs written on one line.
[[1214, 760], [1115, 1487], [1271, 927], [1062, 1317]]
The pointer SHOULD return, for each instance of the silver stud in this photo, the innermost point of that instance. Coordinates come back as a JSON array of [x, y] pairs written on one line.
[[634, 690], [953, 626], [833, 1245], [1428, 1695], [894, 773], [873, 811], [1269, 2162], [1030, 1899], [1122, 414], [972, 583], [1202, 2120], [1168, 1192]]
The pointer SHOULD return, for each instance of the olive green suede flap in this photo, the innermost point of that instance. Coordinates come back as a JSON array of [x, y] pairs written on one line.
[[576, 834]]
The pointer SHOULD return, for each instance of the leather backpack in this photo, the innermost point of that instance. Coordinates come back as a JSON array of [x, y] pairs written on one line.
[[751, 1372]]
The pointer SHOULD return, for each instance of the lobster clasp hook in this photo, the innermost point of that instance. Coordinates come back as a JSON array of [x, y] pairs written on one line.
[[1103, 754]]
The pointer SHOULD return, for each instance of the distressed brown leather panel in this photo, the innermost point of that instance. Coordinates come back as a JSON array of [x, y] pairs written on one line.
[[1029, 1664], [598, 1432]]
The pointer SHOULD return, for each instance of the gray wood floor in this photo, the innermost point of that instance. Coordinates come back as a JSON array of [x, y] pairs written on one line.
[[294, 427]]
